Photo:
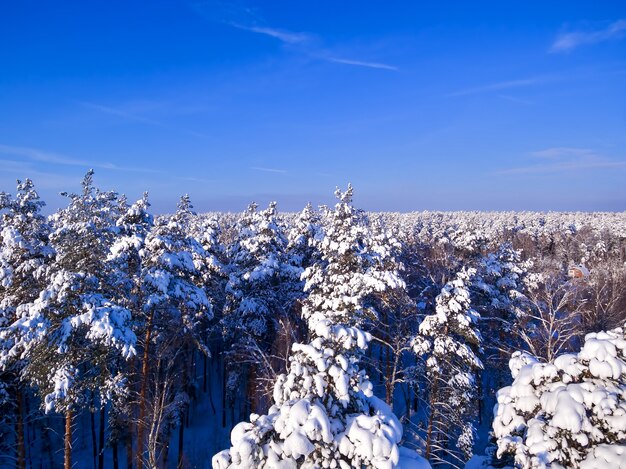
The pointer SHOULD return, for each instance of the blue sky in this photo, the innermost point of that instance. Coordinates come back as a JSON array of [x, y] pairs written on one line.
[[438, 105]]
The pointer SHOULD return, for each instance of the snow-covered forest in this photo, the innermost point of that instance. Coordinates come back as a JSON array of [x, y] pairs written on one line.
[[329, 338]]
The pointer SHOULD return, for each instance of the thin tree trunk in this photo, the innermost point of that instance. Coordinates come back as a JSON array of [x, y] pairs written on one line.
[[21, 449], [204, 379], [101, 442], [223, 393], [181, 434], [431, 418], [210, 387], [67, 456], [47, 444], [142, 392], [131, 429], [129, 452], [184, 419], [30, 431], [116, 462], [479, 393], [94, 444], [389, 378]]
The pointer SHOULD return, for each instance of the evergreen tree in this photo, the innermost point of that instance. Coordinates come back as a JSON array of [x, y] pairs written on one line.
[[70, 332], [324, 412], [569, 412], [259, 295], [176, 315], [302, 238], [449, 341], [24, 255], [125, 267], [498, 294]]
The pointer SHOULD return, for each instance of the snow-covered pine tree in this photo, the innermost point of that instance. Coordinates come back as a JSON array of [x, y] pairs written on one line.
[[259, 295], [395, 322], [176, 314], [303, 236], [68, 334], [498, 294], [324, 412], [449, 341], [567, 413], [125, 266], [215, 259], [24, 254]]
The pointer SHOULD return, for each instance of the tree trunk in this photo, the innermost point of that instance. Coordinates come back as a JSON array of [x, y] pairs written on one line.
[[204, 379], [21, 449], [479, 393], [431, 418], [116, 462], [131, 430], [67, 456], [181, 434], [94, 444], [223, 393], [47, 444], [389, 378], [129, 452], [101, 442], [210, 388], [142, 392]]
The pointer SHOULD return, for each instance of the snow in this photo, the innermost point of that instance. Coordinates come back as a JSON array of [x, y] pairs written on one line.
[[409, 459], [605, 457], [566, 412], [324, 413]]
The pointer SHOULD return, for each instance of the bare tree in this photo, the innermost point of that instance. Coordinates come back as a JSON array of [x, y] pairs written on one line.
[[551, 324]]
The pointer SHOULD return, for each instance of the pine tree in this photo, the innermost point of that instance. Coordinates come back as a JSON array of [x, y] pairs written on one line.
[[396, 313], [569, 412], [125, 266], [258, 295], [498, 294], [70, 332], [324, 412], [498, 291], [303, 236], [176, 315], [449, 341], [24, 254]]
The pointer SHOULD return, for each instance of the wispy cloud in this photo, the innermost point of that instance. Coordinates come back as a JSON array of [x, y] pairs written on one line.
[[115, 111], [287, 37], [34, 154], [41, 156], [249, 20], [562, 152], [361, 63], [568, 41], [515, 99], [43, 179], [501, 85], [196, 179], [269, 170], [564, 159]]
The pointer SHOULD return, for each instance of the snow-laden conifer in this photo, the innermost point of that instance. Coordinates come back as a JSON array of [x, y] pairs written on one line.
[[259, 293], [448, 341], [68, 332], [125, 263], [568, 413], [24, 255], [324, 412], [174, 322], [303, 236]]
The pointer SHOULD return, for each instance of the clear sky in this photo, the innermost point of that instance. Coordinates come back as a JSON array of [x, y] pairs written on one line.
[[421, 105]]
